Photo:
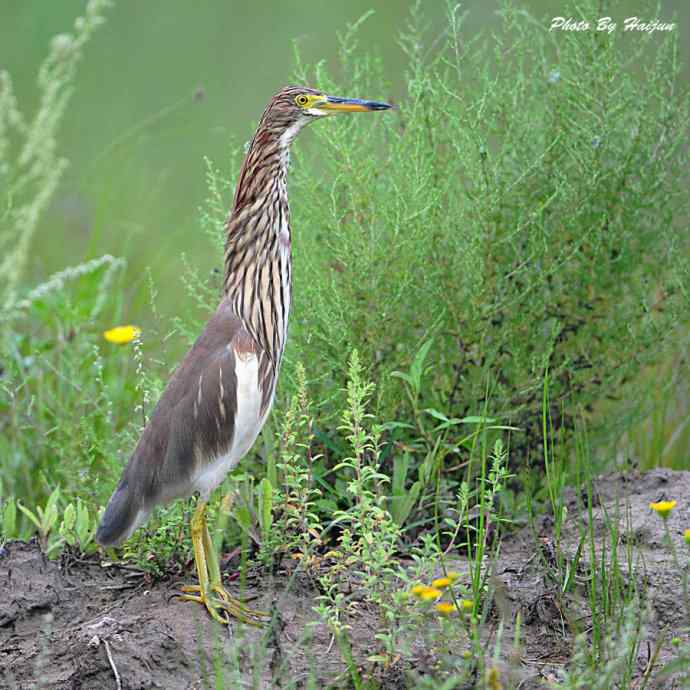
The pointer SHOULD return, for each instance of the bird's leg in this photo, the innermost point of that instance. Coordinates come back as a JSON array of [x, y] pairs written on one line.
[[233, 606], [197, 524], [208, 572]]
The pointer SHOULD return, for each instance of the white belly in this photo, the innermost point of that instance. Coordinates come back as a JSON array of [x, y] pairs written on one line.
[[248, 424]]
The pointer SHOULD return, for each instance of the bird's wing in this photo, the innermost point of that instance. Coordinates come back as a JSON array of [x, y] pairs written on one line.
[[193, 422], [194, 419]]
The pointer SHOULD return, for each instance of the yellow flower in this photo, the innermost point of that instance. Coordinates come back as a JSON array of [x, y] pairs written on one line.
[[425, 593], [418, 589], [443, 582], [430, 594], [121, 335], [686, 536], [663, 508], [445, 608]]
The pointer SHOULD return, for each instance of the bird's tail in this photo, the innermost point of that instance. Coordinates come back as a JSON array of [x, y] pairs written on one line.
[[121, 517]]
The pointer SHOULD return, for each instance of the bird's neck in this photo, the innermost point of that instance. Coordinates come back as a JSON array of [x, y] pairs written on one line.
[[258, 271]]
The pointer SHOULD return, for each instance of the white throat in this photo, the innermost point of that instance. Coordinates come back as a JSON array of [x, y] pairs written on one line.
[[288, 136]]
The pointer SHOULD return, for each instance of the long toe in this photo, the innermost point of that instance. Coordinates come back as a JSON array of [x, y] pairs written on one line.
[[222, 607], [238, 609], [211, 606]]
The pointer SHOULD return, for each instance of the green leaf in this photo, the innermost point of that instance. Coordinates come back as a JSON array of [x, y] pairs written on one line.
[[50, 516], [265, 496], [84, 529], [401, 375], [390, 426], [454, 421], [417, 368], [67, 535], [401, 464], [436, 414], [402, 501], [9, 519], [401, 506], [54, 547], [69, 517], [30, 514], [243, 516]]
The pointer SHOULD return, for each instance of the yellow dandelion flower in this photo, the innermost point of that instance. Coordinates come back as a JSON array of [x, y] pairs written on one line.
[[663, 508], [445, 608], [686, 536], [446, 581], [418, 589], [121, 335], [430, 594]]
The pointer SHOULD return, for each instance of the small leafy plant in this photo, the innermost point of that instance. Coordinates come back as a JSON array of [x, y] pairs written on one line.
[[44, 518], [78, 527]]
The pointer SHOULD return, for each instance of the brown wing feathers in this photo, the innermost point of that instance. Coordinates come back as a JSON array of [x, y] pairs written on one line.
[[193, 421]]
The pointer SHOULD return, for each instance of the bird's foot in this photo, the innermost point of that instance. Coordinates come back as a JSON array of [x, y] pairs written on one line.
[[222, 607]]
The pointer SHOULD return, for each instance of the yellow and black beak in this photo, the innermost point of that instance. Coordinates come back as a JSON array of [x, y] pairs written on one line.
[[350, 105]]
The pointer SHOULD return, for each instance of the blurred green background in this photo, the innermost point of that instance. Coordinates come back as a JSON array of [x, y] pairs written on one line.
[[167, 82]]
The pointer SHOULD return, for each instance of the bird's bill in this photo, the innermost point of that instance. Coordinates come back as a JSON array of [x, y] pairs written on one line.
[[351, 105]]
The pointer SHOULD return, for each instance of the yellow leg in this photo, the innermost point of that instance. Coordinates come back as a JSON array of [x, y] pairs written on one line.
[[223, 606]]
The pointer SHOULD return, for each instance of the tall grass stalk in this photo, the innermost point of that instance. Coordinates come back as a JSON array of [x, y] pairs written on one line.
[[30, 163]]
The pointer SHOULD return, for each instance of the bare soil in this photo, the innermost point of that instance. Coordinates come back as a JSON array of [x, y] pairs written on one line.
[[73, 623]]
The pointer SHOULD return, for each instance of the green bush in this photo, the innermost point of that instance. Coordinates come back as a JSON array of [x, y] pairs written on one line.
[[526, 208], [65, 393]]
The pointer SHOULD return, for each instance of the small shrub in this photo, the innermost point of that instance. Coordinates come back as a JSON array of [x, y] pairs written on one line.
[[527, 208]]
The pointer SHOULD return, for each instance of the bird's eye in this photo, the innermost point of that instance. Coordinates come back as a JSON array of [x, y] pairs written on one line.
[[301, 100]]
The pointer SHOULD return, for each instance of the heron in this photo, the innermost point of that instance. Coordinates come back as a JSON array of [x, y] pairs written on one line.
[[217, 401]]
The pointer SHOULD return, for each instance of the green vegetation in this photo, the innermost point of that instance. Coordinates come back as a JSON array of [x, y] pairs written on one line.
[[529, 214], [491, 296]]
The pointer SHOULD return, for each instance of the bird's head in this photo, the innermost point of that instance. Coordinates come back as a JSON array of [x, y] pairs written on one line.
[[295, 106]]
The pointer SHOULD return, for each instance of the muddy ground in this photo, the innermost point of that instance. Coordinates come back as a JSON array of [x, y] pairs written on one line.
[[73, 623]]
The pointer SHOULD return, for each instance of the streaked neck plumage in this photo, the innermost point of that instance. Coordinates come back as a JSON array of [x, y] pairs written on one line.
[[258, 270]]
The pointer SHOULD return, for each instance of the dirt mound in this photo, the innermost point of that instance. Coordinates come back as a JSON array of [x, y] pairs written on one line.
[[73, 623]]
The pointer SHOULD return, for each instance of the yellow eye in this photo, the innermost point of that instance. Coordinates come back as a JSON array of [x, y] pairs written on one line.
[[302, 100]]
